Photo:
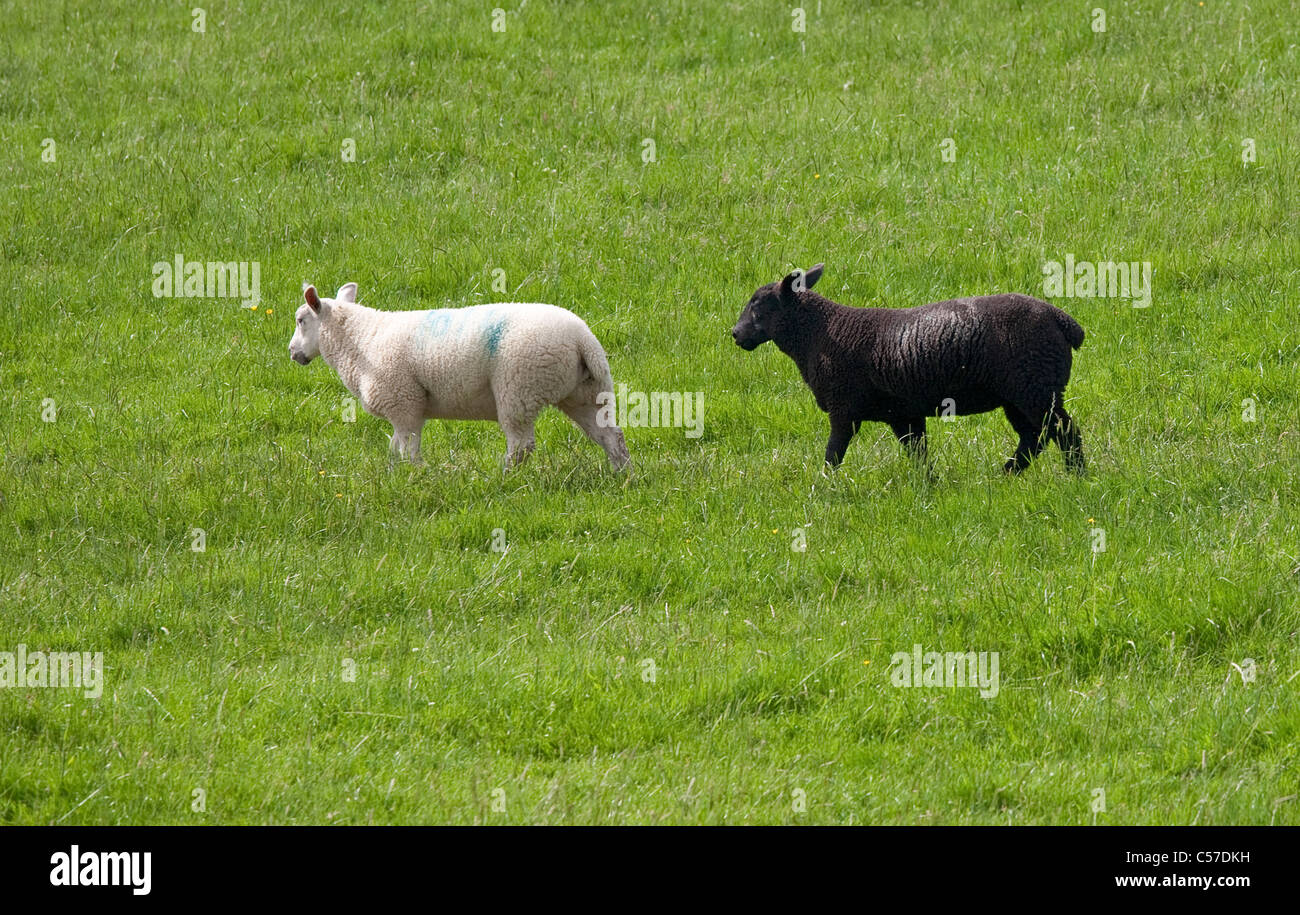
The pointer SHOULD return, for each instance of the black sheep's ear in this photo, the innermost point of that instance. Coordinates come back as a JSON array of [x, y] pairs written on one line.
[[800, 281], [788, 285]]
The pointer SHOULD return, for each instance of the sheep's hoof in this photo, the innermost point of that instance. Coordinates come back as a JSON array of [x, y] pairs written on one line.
[[1012, 466]]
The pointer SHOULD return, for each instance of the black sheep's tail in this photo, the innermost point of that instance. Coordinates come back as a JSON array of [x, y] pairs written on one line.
[[1071, 328]]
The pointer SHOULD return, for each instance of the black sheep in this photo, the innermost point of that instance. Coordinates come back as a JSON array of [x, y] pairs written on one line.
[[900, 365]]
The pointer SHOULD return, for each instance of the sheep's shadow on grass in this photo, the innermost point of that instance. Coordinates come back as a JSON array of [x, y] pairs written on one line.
[[878, 467], [569, 470], [475, 452], [437, 485]]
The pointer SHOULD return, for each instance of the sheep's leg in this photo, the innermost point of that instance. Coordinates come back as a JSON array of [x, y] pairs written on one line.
[[585, 417], [405, 442], [1066, 434], [842, 430], [520, 438], [1031, 435], [516, 416], [911, 435], [413, 444]]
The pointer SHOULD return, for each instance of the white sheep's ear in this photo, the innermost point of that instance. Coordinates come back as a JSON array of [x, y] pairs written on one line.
[[310, 296], [347, 292]]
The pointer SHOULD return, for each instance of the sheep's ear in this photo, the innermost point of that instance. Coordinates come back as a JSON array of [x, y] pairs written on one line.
[[347, 292], [800, 281], [312, 299]]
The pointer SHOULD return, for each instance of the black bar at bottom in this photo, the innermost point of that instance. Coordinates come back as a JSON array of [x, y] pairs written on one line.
[[658, 866]]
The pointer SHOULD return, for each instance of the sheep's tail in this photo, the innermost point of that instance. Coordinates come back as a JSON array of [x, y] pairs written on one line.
[[1071, 328], [595, 362]]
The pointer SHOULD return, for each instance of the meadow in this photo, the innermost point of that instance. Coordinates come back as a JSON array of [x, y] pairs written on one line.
[[295, 632]]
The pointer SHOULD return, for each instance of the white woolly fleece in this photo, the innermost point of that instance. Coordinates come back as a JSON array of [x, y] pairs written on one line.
[[505, 362]]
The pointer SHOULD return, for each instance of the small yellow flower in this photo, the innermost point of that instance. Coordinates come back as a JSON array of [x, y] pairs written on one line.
[[270, 312], [867, 661], [816, 176], [1092, 520], [338, 495], [321, 472]]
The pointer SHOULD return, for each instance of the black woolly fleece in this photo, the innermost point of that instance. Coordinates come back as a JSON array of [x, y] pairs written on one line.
[[901, 365]]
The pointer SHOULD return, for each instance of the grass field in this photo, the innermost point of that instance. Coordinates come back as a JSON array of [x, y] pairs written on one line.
[[349, 647]]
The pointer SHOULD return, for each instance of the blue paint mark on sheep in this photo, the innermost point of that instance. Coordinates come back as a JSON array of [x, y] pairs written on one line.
[[436, 323], [486, 324], [496, 327]]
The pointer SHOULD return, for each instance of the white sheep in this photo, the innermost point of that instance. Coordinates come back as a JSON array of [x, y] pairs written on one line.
[[505, 362]]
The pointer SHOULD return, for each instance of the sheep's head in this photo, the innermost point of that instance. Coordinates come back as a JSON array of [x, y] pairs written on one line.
[[305, 345], [771, 308]]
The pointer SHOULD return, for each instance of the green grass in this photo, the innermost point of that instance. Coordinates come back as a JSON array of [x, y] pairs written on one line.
[[523, 671]]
